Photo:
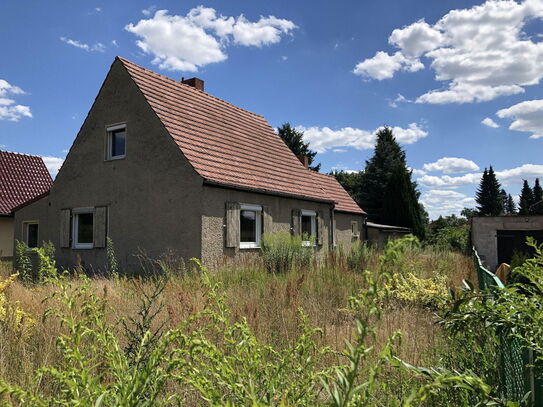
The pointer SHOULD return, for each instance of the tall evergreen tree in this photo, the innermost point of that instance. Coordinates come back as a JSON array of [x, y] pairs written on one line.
[[348, 180], [503, 199], [294, 140], [526, 199], [510, 207], [537, 205], [489, 202], [400, 205], [389, 157]]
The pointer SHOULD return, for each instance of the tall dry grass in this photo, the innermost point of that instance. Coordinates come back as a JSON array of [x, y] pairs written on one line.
[[268, 301]]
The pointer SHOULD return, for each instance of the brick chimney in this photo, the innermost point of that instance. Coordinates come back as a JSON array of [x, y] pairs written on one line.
[[304, 159], [196, 83]]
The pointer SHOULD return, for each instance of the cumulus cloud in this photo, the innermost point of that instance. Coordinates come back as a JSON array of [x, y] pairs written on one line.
[[9, 110], [97, 47], [451, 165], [480, 53], [445, 202], [185, 43], [323, 139], [53, 164], [490, 123], [527, 116], [506, 177]]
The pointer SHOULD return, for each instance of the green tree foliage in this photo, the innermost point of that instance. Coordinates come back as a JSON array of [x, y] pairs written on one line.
[[400, 206], [526, 199], [488, 197], [349, 181], [537, 206], [370, 191], [510, 206], [469, 213], [294, 140], [450, 232]]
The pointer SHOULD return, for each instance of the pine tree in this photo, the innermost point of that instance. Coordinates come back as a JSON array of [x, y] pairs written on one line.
[[537, 205], [400, 205], [503, 199], [348, 180], [294, 140], [489, 201], [510, 207], [526, 199]]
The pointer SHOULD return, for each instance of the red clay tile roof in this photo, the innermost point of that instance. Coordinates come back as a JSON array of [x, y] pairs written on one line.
[[335, 191], [22, 178], [224, 143]]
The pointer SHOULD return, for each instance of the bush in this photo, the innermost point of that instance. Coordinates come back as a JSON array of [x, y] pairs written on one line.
[[22, 263], [359, 255], [281, 252]]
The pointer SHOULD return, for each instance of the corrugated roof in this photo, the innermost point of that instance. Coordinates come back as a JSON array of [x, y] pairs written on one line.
[[224, 143], [22, 178], [335, 191]]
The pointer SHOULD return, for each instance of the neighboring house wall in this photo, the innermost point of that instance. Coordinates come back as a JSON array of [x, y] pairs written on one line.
[[279, 208], [379, 237], [484, 231], [6, 237], [344, 229], [152, 196]]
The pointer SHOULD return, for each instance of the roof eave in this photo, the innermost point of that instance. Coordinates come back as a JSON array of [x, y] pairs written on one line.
[[351, 212], [266, 192]]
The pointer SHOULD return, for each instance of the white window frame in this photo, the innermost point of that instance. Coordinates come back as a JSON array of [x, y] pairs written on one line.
[[75, 226], [109, 136], [313, 215], [258, 221], [25, 231], [355, 233]]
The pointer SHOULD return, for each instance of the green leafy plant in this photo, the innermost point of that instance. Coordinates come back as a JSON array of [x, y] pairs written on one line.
[[22, 262], [282, 251]]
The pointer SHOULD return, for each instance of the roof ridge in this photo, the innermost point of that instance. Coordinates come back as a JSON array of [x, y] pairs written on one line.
[[17, 153], [124, 60]]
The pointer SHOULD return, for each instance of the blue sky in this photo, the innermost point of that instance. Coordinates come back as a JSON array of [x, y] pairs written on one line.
[[435, 71]]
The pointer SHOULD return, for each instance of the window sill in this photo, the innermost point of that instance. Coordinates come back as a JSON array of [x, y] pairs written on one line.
[[307, 243], [83, 246], [119, 157], [247, 245]]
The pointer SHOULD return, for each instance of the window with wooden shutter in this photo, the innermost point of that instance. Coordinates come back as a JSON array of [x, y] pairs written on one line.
[[295, 223], [320, 227], [100, 226], [232, 234], [65, 218]]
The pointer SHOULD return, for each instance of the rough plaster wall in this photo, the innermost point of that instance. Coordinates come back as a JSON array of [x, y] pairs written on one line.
[[213, 209], [484, 236], [343, 229], [153, 195], [6, 237]]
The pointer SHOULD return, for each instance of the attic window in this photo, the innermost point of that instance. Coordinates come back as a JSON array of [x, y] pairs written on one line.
[[116, 142]]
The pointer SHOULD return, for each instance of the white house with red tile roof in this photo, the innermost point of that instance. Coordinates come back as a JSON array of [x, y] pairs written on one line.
[[160, 164], [23, 178]]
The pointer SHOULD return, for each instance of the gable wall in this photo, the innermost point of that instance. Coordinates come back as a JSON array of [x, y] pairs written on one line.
[[280, 208], [153, 195], [343, 232]]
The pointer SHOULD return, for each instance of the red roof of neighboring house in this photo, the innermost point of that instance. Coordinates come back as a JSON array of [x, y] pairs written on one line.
[[22, 179], [335, 191], [225, 144]]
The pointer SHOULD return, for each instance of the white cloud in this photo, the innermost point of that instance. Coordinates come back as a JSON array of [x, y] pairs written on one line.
[[490, 123], [399, 99], [527, 116], [53, 164], [445, 202], [97, 47], [480, 53], [417, 171], [148, 11], [451, 165], [185, 43], [323, 139], [505, 177], [9, 110], [384, 66], [98, 9]]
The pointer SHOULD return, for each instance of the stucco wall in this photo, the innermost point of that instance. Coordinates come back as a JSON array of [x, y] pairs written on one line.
[[153, 195], [280, 208], [380, 237], [484, 233], [344, 236], [6, 236]]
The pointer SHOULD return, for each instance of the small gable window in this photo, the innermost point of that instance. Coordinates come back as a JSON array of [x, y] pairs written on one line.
[[309, 227], [116, 142], [31, 234], [354, 230], [83, 228], [250, 226]]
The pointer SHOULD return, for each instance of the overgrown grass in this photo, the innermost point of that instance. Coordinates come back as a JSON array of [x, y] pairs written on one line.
[[269, 302]]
